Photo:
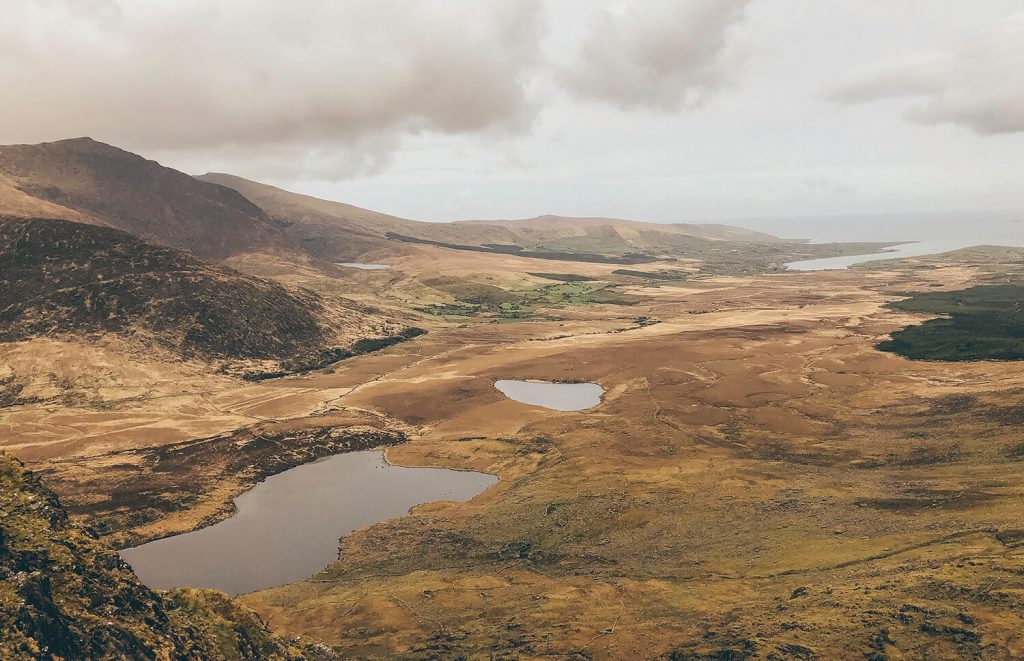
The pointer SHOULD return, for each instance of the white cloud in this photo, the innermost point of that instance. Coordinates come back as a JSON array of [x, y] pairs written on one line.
[[979, 86], [319, 86], [329, 89], [657, 54]]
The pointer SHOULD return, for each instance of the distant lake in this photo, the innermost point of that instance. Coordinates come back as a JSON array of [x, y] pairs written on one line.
[[287, 527], [557, 396], [930, 233], [904, 250], [365, 267]]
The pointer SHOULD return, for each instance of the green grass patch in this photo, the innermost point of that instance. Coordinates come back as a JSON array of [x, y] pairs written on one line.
[[563, 277], [474, 299], [473, 293], [456, 309], [652, 275]]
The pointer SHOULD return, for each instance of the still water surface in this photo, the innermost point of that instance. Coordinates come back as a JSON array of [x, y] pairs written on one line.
[[365, 267], [287, 527], [557, 396], [914, 249], [930, 233]]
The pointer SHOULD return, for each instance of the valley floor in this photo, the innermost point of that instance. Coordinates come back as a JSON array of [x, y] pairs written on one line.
[[759, 481]]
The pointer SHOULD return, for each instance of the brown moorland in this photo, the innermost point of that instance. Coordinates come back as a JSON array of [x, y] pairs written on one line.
[[759, 482]]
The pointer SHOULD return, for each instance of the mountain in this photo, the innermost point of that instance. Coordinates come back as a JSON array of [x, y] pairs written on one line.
[[342, 232], [64, 594], [59, 276], [270, 231], [88, 181]]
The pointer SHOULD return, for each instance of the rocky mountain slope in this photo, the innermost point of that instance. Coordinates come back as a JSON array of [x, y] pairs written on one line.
[[88, 181], [66, 595], [58, 276]]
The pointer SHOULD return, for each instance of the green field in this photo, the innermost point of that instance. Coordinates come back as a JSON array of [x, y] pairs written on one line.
[[563, 277], [477, 299]]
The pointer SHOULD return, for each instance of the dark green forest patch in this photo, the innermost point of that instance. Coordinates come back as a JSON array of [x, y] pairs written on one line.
[[981, 323]]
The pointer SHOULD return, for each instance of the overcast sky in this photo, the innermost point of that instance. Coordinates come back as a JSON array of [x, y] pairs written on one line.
[[668, 110]]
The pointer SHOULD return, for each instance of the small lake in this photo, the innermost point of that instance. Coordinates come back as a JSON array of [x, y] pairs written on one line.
[[364, 267], [287, 527], [557, 396]]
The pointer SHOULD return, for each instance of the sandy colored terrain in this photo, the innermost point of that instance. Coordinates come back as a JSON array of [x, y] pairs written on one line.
[[759, 481]]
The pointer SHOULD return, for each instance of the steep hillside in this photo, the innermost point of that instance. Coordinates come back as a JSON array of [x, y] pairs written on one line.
[[331, 230], [58, 276], [66, 595], [342, 232], [89, 181]]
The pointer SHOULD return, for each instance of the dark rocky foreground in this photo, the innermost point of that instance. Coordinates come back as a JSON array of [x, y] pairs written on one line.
[[64, 594], [58, 276]]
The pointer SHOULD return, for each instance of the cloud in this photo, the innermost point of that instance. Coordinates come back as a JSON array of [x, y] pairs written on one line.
[[666, 55], [979, 86], [320, 88]]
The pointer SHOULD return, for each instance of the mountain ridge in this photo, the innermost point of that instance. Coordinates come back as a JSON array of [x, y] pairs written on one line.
[[88, 181], [344, 232]]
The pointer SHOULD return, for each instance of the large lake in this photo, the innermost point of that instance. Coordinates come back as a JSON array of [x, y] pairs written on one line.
[[895, 252], [930, 233], [287, 527], [557, 396]]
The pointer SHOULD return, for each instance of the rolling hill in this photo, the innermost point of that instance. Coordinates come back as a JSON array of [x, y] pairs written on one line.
[[543, 228], [224, 217], [344, 233]]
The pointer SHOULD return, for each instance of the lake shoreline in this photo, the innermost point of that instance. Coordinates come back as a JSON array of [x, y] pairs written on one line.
[[287, 527]]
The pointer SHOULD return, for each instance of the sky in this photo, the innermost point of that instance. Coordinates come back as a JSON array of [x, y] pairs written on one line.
[[661, 110]]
